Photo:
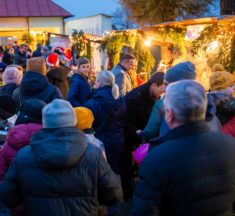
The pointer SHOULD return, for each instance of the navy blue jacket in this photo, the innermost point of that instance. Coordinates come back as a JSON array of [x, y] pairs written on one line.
[[35, 85], [8, 89], [106, 125], [60, 174], [37, 52], [190, 172], [79, 90]]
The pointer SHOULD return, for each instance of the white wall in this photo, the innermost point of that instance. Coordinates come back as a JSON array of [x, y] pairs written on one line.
[[95, 25]]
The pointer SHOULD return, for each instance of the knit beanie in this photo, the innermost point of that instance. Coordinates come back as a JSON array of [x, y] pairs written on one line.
[[7, 106], [12, 75], [31, 111], [58, 114], [218, 67], [85, 118], [181, 71], [52, 60], [37, 64], [221, 80]]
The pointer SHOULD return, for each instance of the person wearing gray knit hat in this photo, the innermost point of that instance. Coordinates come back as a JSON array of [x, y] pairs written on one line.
[[58, 114], [181, 71]]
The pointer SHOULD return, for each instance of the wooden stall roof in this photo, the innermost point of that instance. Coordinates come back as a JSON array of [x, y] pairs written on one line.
[[187, 22]]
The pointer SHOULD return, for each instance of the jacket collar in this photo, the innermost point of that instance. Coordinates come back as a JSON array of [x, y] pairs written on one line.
[[81, 76], [181, 131], [123, 68], [145, 92], [126, 72]]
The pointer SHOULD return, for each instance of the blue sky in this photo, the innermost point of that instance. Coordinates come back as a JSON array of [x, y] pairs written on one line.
[[82, 8]]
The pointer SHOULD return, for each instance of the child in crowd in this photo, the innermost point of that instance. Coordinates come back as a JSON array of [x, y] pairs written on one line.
[[85, 119], [79, 88]]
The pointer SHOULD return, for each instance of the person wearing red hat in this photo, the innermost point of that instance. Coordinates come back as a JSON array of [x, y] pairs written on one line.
[[58, 72], [52, 60]]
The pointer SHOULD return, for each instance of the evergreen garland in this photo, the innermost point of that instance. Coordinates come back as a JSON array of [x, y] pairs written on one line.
[[224, 34], [115, 42], [174, 35], [144, 57]]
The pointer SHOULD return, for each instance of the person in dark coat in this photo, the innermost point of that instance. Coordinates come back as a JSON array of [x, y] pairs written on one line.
[[139, 103], [105, 107], [38, 51], [20, 56], [7, 110], [11, 77], [79, 87], [59, 173], [35, 84], [58, 73], [8, 56], [191, 171]]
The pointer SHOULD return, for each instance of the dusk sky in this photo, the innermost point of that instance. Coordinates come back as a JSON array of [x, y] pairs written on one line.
[[81, 8]]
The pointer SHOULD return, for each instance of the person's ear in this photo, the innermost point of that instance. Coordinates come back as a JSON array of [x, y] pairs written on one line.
[[169, 117]]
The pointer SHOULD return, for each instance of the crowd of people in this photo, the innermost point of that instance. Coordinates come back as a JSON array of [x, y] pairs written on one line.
[[67, 145]]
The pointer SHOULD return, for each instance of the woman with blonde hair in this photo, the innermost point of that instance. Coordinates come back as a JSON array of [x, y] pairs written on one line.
[[105, 105]]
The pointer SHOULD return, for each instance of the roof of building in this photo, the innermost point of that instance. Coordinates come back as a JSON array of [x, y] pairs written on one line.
[[32, 8], [199, 21]]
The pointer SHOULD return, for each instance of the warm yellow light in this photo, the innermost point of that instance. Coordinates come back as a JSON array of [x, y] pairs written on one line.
[[147, 42], [213, 46]]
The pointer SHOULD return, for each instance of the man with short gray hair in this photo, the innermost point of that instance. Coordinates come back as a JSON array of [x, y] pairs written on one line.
[[185, 102], [191, 171]]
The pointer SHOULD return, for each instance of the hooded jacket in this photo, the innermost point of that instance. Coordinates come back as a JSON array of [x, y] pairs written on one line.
[[35, 85], [17, 138], [106, 125], [60, 174]]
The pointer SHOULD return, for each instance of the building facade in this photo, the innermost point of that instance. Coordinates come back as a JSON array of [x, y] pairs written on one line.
[[95, 25], [34, 17]]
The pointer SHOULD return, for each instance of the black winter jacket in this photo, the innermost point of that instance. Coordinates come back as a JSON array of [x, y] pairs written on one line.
[[35, 85], [60, 174], [8, 89], [139, 105], [190, 173], [20, 59]]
